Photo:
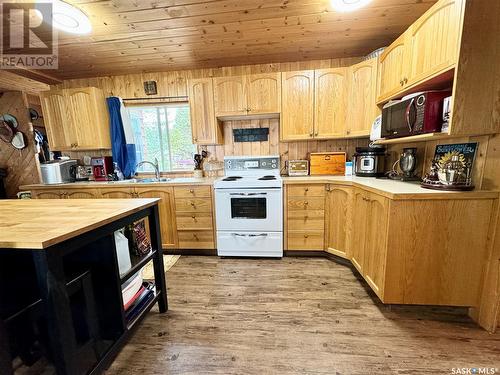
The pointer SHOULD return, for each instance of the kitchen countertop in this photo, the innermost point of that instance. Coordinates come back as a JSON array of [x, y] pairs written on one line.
[[392, 189], [40, 223]]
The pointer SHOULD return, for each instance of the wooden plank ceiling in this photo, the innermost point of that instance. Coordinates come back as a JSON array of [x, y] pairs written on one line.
[[132, 36]]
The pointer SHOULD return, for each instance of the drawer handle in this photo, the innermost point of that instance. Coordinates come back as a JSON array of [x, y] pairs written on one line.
[[249, 235]]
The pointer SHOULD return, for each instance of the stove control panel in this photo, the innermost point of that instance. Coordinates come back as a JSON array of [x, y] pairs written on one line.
[[264, 163]]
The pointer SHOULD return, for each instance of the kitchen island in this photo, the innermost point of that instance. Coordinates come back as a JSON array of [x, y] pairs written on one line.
[[60, 274]]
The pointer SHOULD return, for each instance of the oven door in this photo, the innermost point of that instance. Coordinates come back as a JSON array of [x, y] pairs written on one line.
[[249, 209]]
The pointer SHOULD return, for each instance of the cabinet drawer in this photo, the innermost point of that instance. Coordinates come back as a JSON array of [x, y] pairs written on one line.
[[192, 191], [306, 240], [196, 239], [311, 203], [306, 220], [193, 205], [306, 190], [194, 221]]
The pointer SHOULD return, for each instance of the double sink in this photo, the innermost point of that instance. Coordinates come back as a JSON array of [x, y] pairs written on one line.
[[141, 180]]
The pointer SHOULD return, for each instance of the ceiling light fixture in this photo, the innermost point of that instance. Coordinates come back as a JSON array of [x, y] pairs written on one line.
[[68, 18], [348, 5]]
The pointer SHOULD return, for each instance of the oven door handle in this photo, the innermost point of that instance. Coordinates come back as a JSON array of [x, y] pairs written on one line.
[[248, 194], [249, 235], [407, 114]]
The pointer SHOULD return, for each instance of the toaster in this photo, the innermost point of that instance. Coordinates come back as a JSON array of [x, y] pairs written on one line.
[[298, 167], [58, 171]]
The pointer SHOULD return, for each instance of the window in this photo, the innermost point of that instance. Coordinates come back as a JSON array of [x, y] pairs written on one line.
[[163, 131]]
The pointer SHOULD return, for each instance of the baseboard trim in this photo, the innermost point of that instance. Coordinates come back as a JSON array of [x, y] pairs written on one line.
[[204, 252], [303, 253]]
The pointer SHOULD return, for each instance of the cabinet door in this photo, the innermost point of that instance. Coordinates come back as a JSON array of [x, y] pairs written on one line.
[[375, 243], [201, 107], [121, 193], [362, 109], [263, 93], [230, 96], [82, 193], [330, 102], [57, 120], [434, 40], [81, 102], [47, 194], [339, 212], [360, 221], [166, 212], [297, 105], [393, 69]]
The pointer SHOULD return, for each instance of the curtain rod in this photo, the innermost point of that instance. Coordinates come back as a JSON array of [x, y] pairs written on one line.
[[157, 97]]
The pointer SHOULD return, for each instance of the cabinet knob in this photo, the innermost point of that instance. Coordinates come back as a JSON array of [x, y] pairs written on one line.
[[306, 236], [192, 204], [316, 134], [195, 236], [311, 135], [306, 189], [194, 217], [191, 191], [306, 203], [405, 80], [195, 139], [306, 218], [401, 83], [348, 132]]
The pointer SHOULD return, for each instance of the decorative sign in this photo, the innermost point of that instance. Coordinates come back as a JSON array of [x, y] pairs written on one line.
[[251, 135], [452, 167], [150, 88]]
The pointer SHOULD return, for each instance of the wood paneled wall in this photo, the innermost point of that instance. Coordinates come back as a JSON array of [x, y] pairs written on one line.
[[22, 165], [174, 83]]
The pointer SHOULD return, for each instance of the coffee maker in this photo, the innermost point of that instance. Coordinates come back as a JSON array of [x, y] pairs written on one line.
[[102, 166]]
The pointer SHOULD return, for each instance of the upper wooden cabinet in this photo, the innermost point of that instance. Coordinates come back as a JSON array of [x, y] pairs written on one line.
[[76, 119], [393, 67], [297, 106], [330, 102], [263, 93], [229, 96], [433, 40], [429, 47], [241, 96], [204, 125], [362, 108]]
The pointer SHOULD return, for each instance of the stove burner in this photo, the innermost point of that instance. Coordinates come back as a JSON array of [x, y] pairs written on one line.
[[266, 178], [232, 178]]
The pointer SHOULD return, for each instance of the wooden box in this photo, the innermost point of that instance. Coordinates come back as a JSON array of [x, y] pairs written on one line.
[[327, 163]]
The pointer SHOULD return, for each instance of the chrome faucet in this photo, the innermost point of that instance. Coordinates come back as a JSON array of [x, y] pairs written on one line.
[[155, 165]]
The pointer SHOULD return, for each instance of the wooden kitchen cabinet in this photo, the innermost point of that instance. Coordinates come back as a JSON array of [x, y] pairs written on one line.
[[118, 192], [339, 211], [56, 117], [433, 41], [230, 96], [330, 102], [166, 212], [305, 217], [263, 93], [375, 247], [76, 119], [369, 240], [393, 68], [297, 105], [362, 109], [47, 194], [427, 48], [82, 193], [205, 128], [194, 217]]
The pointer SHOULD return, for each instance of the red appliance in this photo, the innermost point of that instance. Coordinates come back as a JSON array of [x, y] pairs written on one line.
[[419, 114], [102, 167]]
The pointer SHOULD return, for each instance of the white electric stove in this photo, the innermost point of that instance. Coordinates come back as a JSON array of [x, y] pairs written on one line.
[[249, 207]]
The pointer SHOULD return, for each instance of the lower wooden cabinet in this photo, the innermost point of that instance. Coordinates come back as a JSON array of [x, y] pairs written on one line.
[[339, 209], [305, 217]]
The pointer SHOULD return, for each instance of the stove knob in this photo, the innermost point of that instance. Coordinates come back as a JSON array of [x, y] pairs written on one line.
[[264, 163], [273, 166]]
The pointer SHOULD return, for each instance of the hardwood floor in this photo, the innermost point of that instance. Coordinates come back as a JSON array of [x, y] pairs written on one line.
[[295, 316]]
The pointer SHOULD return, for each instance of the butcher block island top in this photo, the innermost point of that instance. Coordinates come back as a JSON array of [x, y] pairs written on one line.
[[40, 223]]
